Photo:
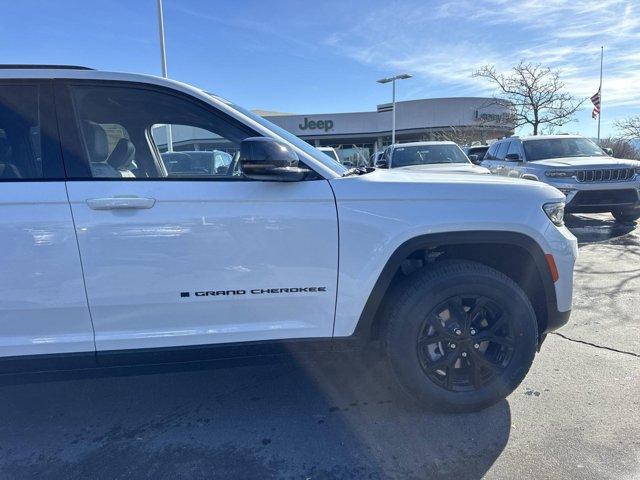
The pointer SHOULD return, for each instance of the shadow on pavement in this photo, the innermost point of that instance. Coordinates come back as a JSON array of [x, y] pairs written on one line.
[[301, 417], [599, 228]]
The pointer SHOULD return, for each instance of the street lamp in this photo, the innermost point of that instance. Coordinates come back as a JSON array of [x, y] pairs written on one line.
[[402, 76], [163, 64]]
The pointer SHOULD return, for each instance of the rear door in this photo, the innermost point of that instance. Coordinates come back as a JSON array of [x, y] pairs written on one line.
[[177, 252], [43, 307], [500, 165]]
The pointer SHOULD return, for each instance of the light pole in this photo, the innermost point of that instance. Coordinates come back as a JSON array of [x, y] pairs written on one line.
[[163, 63], [402, 76]]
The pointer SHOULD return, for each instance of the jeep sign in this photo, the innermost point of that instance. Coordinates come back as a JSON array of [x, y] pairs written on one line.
[[325, 125]]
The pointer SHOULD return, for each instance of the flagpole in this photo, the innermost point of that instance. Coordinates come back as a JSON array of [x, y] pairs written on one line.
[[600, 90]]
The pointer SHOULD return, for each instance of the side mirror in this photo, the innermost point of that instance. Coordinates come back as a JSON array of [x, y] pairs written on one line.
[[608, 151], [512, 157], [263, 158], [475, 159], [382, 163], [530, 176]]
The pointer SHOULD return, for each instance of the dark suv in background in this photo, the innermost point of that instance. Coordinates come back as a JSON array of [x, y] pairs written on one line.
[[476, 153]]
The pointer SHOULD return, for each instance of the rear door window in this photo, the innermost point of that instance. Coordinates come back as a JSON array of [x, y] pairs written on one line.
[[28, 135]]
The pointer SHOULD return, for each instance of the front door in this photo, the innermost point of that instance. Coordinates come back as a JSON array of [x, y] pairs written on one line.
[[177, 247]]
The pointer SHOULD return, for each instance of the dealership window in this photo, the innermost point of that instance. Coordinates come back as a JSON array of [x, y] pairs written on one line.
[[143, 133]]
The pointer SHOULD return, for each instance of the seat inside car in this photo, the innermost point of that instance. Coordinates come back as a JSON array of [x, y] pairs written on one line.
[[97, 144], [7, 168], [122, 157]]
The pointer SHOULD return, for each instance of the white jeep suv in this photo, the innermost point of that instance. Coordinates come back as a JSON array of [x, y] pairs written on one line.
[[432, 156], [110, 257]]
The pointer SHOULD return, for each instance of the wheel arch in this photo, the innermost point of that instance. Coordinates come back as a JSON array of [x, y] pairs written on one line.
[[478, 246]]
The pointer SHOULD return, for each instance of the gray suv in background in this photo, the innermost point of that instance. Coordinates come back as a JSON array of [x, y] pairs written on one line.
[[591, 180]]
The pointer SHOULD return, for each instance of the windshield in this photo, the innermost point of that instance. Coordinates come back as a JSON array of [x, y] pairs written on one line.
[[326, 160], [427, 154], [561, 147]]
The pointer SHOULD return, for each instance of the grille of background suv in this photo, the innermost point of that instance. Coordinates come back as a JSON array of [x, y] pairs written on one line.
[[608, 175]]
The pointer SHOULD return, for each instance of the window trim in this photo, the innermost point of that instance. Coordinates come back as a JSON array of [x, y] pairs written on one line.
[[78, 168], [48, 122]]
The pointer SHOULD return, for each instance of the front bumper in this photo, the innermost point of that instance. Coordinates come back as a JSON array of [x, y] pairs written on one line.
[[594, 201], [555, 320]]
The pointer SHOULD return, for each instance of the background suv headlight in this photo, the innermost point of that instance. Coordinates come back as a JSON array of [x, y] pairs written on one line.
[[566, 191], [555, 212], [560, 173]]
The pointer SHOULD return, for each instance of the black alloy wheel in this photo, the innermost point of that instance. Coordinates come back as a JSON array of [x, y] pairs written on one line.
[[465, 343]]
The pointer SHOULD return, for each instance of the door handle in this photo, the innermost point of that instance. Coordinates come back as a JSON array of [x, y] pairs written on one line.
[[120, 203]]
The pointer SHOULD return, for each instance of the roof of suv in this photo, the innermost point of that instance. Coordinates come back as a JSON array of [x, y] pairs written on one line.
[[74, 72], [14, 66], [543, 137]]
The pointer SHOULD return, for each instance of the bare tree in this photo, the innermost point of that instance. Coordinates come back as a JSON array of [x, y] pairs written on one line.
[[459, 135], [534, 94], [621, 148], [629, 127]]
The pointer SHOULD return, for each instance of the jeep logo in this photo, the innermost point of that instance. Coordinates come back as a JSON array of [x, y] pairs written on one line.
[[325, 125]]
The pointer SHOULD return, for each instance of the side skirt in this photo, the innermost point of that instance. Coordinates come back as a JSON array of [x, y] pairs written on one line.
[[155, 360]]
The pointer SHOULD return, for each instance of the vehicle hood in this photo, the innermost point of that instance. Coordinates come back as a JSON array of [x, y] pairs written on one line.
[[587, 162], [416, 185], [447, 168]]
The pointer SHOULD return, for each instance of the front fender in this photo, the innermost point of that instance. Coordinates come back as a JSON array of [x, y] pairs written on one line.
[[430, 241]]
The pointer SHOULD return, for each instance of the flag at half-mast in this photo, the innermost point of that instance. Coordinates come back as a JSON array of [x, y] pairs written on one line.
[[595, 99]]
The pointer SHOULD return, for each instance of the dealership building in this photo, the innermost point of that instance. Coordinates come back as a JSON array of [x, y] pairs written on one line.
[[357, 135]]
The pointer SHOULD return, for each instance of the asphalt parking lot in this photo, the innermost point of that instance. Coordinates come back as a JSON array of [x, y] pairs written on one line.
[[576, 415]]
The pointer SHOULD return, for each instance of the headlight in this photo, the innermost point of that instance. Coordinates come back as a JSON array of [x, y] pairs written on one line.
[[560, 173], [555, 212]]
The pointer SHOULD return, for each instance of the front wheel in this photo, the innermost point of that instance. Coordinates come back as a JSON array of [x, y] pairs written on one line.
[[461, 336]]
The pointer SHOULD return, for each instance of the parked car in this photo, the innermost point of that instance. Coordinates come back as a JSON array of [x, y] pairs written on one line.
[[331, 152], [435, 157], [476, 153], [591, 180], [197, 163], [460, 276]]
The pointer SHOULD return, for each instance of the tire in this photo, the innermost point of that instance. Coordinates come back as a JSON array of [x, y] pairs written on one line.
[[628, 216], [496, 315]]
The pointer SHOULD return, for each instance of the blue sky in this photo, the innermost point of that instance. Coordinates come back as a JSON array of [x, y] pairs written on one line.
[[324, 56]]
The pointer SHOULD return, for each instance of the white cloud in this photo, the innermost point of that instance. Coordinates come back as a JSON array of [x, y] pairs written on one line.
[[443, 45]]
